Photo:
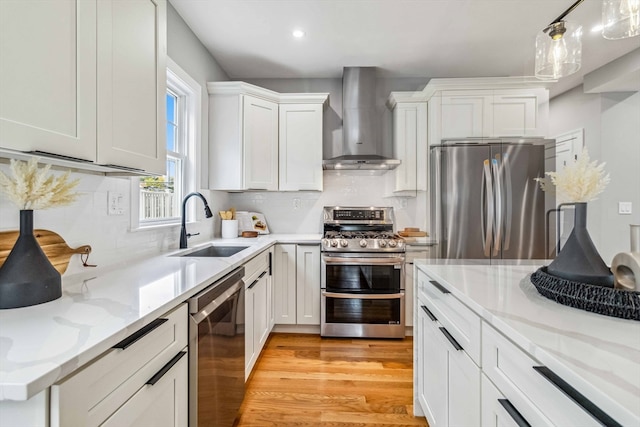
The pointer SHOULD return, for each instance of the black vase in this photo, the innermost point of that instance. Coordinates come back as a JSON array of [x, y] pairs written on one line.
[[579, 259], [27, 276]]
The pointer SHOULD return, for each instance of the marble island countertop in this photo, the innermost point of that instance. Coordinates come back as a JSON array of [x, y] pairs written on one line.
[[41, 344], [598, 355]]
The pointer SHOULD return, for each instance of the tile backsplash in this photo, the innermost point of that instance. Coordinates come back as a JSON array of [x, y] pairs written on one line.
[[87, 222], [301, 212]]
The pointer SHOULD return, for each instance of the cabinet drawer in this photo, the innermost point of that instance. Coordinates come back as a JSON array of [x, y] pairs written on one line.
[[255, 265], [161, 404], [92, 394], [512, 371], [462, 323]]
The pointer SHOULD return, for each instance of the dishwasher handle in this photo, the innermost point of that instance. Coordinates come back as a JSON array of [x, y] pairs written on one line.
[[213, 305], [202, 300]]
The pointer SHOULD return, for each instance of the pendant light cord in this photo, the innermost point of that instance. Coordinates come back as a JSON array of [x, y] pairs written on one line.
[[565, 13]]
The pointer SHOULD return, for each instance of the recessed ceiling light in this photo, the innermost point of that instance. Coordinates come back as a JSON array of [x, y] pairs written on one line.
[[298, 34]]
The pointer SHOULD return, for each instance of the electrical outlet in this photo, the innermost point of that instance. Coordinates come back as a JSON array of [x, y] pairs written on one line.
[[296, 203], [115, 203], [625, 208]]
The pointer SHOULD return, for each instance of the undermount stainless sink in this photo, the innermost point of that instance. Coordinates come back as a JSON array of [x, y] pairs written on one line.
[[216, 251]]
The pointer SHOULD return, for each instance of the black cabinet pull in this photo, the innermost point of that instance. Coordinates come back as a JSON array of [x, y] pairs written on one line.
[[451, 339], [154, 379], [577, 397], [131, 339], [255, 282], [513, 412], [270, 261], [440, 287], [429, 313]]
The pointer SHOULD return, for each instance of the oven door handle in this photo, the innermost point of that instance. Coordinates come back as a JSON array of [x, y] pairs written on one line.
[[363, 260], [362, 296]]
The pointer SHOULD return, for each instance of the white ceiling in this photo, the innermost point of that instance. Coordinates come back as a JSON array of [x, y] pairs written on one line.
[[252, 39]]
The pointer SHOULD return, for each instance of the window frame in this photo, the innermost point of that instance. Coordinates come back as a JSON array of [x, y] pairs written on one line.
[[189, 94]]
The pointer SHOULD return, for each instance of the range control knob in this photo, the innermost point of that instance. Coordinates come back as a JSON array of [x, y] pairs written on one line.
[[393, 243], [325, 242], [334, 243], [344, 243], [363, 243], [382, 243]]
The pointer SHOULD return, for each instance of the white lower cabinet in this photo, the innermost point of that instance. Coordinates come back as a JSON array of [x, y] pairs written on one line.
[[496, 410], [141, 381], [508, 388], [297, 284], [448, 380], [162, 404], [258, 307]]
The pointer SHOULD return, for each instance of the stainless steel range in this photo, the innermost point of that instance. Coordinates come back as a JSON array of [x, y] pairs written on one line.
[[362, 274]]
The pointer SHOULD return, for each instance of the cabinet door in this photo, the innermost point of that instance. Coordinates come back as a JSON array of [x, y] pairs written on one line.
[[464, 389], [494, 408], [284, 287], [308, 284], [261, 313], [410, 141], [48, 76], [161, 404], [260, 136], [250, 348], [132, 84], [466, 114], [520, 112], [432, 365], [300, 147]]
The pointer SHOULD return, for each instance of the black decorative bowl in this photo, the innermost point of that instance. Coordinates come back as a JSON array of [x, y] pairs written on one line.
[[596, 299]]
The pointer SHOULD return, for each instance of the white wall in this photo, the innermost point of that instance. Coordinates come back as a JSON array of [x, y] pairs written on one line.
[[87, 222], [611, 123]]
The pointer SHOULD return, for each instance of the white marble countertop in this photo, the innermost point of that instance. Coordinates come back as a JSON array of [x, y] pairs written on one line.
[[596, 354], [43, 343]]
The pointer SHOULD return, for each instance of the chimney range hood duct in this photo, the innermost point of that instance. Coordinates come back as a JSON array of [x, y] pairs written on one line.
[[361, 124]]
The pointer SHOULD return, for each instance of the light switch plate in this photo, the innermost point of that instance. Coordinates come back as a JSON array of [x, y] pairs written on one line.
[[115, 203], [625, 208]]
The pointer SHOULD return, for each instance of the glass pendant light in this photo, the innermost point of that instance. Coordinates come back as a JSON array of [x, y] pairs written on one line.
[[620, 19], [558, 50]]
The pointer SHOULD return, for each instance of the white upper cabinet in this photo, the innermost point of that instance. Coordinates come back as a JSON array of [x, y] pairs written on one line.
[[300, 147], [497, 108], [48, 77], [132, 81], [85, 79], [465, 114], [409, 115], [520, 112], [264, 140], [260, 144]]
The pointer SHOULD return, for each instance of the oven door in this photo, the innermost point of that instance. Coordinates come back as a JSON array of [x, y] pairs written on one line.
[[363, 273], [363, 295]]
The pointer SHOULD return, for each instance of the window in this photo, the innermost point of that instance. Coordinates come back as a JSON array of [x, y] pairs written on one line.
[[160, 197]]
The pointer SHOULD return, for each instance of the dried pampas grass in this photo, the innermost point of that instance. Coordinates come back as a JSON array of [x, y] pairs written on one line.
[[32, 188], [579, 182]]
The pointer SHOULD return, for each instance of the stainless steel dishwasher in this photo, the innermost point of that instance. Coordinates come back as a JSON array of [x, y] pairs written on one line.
[[216, 352]]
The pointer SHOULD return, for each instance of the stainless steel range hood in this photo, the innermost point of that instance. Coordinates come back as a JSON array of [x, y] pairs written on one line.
[[361, 124]]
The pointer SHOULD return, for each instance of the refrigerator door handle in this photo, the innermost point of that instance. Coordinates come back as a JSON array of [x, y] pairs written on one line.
[[498, 207], [488, 221], [508, 200]]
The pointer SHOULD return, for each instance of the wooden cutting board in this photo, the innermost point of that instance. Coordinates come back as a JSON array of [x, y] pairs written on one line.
[[54, 247], [407, 233]]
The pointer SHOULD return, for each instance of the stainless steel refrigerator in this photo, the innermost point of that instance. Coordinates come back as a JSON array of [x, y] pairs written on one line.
[[485, 203]]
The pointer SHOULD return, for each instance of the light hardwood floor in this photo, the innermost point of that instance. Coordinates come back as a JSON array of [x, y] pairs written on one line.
[[305, 380]]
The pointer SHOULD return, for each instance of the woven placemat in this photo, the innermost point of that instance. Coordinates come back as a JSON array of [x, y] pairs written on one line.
[[596, 299]]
